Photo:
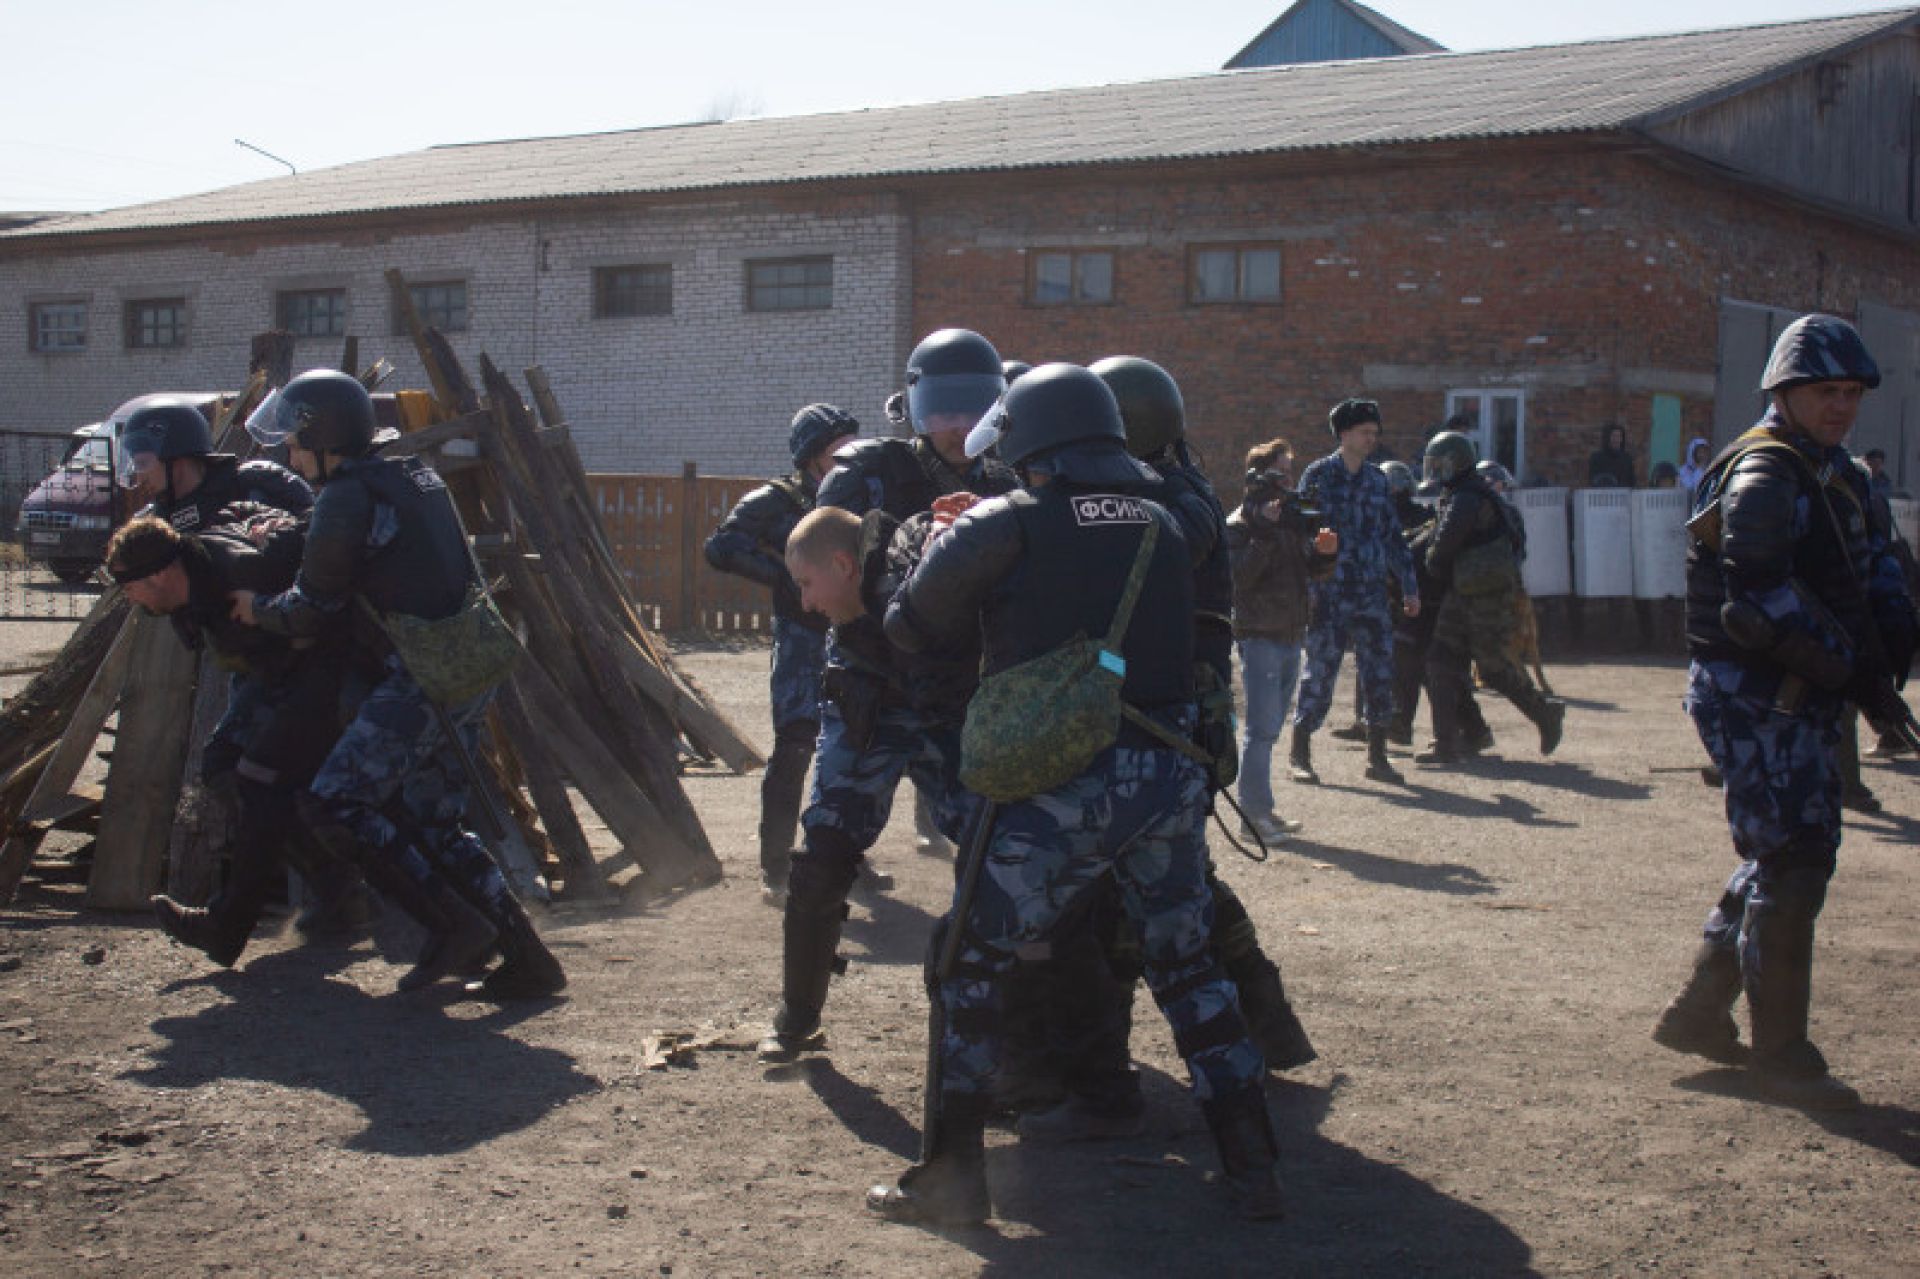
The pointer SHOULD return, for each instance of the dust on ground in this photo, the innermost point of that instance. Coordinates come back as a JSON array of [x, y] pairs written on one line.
[[1478, 957]]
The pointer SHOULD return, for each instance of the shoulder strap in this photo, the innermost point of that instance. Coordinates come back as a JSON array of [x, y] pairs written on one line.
[[1135, 580]]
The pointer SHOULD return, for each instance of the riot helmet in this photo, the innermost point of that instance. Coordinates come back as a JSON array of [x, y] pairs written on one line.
[[163, 427], [1061, 419], [1400, 481], [1450, 457], [1013, 370], [953, 371], [1819, 348], [323, 411], [815, 427], [1150, 405], [1495, 474]]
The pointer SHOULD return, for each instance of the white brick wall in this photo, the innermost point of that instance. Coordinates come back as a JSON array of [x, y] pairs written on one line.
[[711, 383]]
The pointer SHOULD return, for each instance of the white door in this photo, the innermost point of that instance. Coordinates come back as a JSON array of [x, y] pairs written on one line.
[[1498, 426]]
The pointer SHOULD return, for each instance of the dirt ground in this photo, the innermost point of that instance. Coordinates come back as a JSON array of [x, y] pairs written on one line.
[[1478, 957]]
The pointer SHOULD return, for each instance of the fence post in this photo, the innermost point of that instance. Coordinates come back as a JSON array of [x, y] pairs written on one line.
[[689, 542]]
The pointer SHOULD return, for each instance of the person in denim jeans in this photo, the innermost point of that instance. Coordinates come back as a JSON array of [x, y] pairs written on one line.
[[1274, 554]]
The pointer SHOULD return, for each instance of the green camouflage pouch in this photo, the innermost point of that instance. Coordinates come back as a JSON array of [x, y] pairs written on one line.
[[455, 659], [1038, 725]]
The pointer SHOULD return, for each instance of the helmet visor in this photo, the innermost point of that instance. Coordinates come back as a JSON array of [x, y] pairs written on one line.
[[1436, 470], [276, 421], [943, 394], [135, 453], [987, 432]]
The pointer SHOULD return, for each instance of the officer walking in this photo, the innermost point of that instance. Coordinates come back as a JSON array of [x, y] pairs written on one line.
[[1027, 574], [1352, 608], [871, 732], [1474, 556], [1795, 605], [752, 542], [385, 530]]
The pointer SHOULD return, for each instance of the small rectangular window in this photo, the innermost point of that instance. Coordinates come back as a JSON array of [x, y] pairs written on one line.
[[790, 284], [440, 304], [156, 323], [57, 327], [645, 289], [1235, 273], [312, 313], [1066, 277]]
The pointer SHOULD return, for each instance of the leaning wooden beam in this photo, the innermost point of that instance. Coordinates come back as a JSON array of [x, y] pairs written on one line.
[[548, 790], [39, 712], [668, 862], [63, 766], [143, 784]]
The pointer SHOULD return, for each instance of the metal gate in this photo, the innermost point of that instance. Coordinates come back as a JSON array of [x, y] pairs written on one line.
[[58, 506]]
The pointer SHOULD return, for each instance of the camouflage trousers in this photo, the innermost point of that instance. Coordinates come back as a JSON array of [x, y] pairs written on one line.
[[1478, 628], [1338, 623], [853, 788], [1138, 815], [799, 655], [1782, 788], [394, 781]]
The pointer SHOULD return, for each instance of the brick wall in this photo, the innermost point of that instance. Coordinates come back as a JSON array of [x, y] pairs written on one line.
[[711, 383], [1589, 278]]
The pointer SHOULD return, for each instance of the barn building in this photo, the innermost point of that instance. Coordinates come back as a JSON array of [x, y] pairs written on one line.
[[1544, 240]]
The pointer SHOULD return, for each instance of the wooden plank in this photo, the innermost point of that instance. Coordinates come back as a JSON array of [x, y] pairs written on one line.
[[689, 614], [194, 845], [64, 762], [632, 818], [37, 715], [143, 786], [548, 790]]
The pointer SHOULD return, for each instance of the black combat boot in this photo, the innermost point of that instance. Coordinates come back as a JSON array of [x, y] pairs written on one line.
[[1249, 1155], [948, 1187], [816, 911], [207, 931], [1300, 758], [1441, 753], [1354, 732], [528, 970], [458, 936], [1785, 1066], [1379, 767], [781, 792], [336, 904], [1700, 1018], [1549, 714]]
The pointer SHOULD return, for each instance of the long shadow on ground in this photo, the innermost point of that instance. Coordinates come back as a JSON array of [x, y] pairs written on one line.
[[1893, 1129], [1144, 1207], [1378, 868], [427, 1082]]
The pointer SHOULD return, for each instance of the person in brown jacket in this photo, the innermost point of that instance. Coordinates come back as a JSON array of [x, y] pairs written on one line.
[[1276, 546]]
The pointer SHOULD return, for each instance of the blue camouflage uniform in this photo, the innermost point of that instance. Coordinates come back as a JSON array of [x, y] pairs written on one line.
[[751, 543], [1025, 572], [1352, 608], [383, 529]]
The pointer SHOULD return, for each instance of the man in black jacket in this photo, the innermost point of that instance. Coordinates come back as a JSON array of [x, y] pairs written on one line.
[[166, 450], [751, 543], [283, 714]]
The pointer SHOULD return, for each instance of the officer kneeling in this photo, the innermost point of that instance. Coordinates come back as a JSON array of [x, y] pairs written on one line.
[[1057, 561]]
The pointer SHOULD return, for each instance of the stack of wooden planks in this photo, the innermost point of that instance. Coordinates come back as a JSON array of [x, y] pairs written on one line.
[[596, 708]]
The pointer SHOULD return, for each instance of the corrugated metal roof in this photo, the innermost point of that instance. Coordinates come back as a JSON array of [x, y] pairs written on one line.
[[1424, 98]]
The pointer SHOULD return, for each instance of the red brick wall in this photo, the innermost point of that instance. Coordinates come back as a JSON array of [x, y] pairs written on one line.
[[1586, 274]]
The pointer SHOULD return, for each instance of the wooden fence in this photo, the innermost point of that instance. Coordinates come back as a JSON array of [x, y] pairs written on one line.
[[659, 525]]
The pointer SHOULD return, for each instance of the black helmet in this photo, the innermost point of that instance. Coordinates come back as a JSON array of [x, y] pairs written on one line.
[[1013, 370], [1494, 473], [815, 427], [1062, 419], [167, 426], [1450, 457], [1150, 403], [323, 411], [1399, 478], [1819, 348], [1348, 414], [953, 371]]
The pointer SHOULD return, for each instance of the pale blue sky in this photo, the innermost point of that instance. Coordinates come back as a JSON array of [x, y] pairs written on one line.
[[112, 102]]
